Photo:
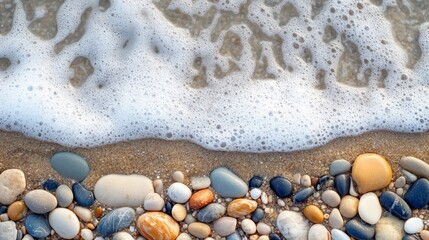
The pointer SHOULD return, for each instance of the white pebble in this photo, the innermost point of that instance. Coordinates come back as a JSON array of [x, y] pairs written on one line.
[[306, 181], [82, 213], [122, 236], [248, 226], [184, 236], [153, 202], [369, 208], [27, 237], [263, 228], [264, 198], [199, 183], [255, 193], [413, 225], [87, 234], [179, 192]]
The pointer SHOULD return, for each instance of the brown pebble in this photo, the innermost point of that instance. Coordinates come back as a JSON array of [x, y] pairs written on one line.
[[98, 212], [17, 210], [23, 230], [314, 181], [241, 207], [90, 226], [313, 213], [201, 199]]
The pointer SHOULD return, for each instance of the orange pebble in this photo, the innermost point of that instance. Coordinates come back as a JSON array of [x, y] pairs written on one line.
[[157, 226], [201, 199], [241, 207], [98, 212], [313, 213]]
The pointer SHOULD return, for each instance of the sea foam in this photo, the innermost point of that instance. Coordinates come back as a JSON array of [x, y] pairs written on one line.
[[256, 75]]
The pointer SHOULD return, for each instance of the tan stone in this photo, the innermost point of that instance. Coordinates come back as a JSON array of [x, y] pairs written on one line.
[[424, 234], [201, 199], [371, 172], [178, 212], [199, 230], [241, 207], [349, 206], [313, 213], [157, 226], [17, 210]]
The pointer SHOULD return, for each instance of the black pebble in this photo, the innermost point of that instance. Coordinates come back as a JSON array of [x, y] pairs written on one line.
[[302, 195], [342, 184], [256, 182], [395, 205], [321, 182], [168, 207], [281, 186], [258, 215], [417, 195]]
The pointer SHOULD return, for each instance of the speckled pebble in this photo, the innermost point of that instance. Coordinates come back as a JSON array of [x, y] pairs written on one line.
[[199, 183]]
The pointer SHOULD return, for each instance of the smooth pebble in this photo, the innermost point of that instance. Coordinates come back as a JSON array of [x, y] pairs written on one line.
[[369, 208], [313, 213], [331, 198], [305, 181], [199, 183], [153, 202], [389, 228], [178, 212], [248, 226], [241, 207], [17, 210], [211, 213], [281, 186], [335, 219], [395, 205], [227, 184], [349, 206], [302, 195], [342, 184], [37, 226], [64, 222], [179, 192], [83, 196], [417, 195], [256, 182], [83, 214], [339, 166], [8, 230], [318, 232], [263, 228], [201, 199], [225, 226], [40, 201], [415, 166], [64, 195], [413, 225], [359, 230], [157, 226], [115, 220], [86, 234], [293, 225], [339, 235], [371, 172], [199, 230], [70, 165]]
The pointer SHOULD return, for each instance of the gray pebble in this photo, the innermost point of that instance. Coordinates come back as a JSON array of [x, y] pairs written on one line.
[[8, 230], [211, 213], [70, 165], [64, 196], [400, 182], [409, 176], [40, 201], [339, 166], [331, 198], [227, 184]]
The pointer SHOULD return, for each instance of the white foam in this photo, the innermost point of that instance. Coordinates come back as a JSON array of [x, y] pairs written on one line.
[[148, 94]]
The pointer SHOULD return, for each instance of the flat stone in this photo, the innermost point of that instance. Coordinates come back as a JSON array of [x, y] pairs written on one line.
[[302, 195], [227, 184], [413, 225], [389, 228], [371, 172], [335, 219], [64, 222], [70, 165], [349, 206], [417, 195], [331, 198], [339, 166], [395, 205], [319, 232], [313, 213], [40, 201], [83, 196], [64, 196], [201, 199], [157, 225], [225, 226], [415, 166], [256, 182], [17, 210], [111, 189], [153, 202], [342, 184], [8, 230], [241, 207], [199, 230], [37, 226], [339, 235], [179, 192], [359, 230], [369, 208], [199, 183], [12, 184], [281, 186], [116, 220], [293, 225]]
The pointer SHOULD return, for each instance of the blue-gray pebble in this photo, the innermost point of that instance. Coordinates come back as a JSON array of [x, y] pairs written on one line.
[[3, 209], [274, 236], [234, 236], [82, 196], [410, 237], [395, 205], [50, 185], [70, 165], [115, 221], [211, 213], [257, 215], [256, 182], [339, 167], [19, 235], [302, 195], [359, 230], [227, 184], [281, 186], [37, 226], [342, 184], [417, 195]]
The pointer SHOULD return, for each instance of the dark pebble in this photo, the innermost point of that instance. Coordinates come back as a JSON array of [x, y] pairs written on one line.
[[256, 182], [321, 182], [257, 215], [410, 237], [3, 209], [234, 236], [395, 205], [168, 206], [417, 195], [274, 236], [302, 195], [50, 185], [82, 196], [37, 226], [211, 213], [359, 230], [281, 186], [342, 184]]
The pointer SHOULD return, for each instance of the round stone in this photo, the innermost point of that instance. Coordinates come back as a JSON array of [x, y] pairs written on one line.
[[82, 196], [349, 206], [86, 234], [302, 195], [395, 205], [178, 212], [413, 225], [153, 202], [274, 236], [339, 235], [178, 176], [227, 184], [257, 215], [64, 222], [339, 166], [17, 210], [64, 196], [83, 214], [305, 181], [417, 195], [70, 165], [116, 220], [256, 182], [199, 230], [400, 182], [255, 193], [12, 184], [293, 225], [179, 192], [342, 184], [248, 226], [359, 230], [211, 213], [263, 228], [40, 201], [241, 207], [199, 183], [335, 219], [389, 228], [319, 232], [281, 186], [331, 198], [157, 225], [37, 226], [225, 226], [111, 189], [369, 208], [415, 166], [313, 213], [201, 199], [371, 172]]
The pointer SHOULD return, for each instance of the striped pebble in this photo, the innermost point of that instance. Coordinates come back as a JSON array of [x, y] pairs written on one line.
[[157, 226]]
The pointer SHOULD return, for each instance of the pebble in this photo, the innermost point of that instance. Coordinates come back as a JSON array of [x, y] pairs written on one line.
[[158, 186], [199, 183], [179, 192], [12, 184], [27, 237], [302, 195], [201, 199], [424, 234], [50, 185], [342, 184], [410, 237], [339, 166], [293, 225], [225, 226], [281, 186], [98, 212], [359, 230], [263, 228], [178, 212], [389, 228], [70, 165], [234, 236], [184, 236], [189, 219], [313, 213], [82, 196], [257, 215], [353, 190], [331, 198], [413, 225], [64, 222], [395, 205], [241, 207], [319, 232], [274, 236], [40, 201], [349, 206], [37, 226], [256, 182], [255, 193], [322, 182], [409, 176], [248, 226], [83, 214], [296, 178], [415, 166], [3, 209], [400, 182], [122, 236], [335, 219], [4, 217], [168, 206], [369, 208], [211, 213], [8, 230], [115, 220], [17, 210], [86, 234], [157, 226], [227, 184], [110, 189], [371, 172], [178, 176], [417, 195], [339, 235], [153, 202], [199, 230], [64, 195], [305, 181]]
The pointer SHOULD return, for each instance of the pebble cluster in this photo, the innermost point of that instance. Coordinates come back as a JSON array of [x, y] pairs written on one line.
[[359, 200]]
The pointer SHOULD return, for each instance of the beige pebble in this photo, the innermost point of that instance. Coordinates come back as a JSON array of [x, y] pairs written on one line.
[[178, 176], [184, 236], [248, 226], [83, 214], [264, 237], [153, 202], [305, 181], [241, 207], [225, 226], [199, 230], [178, 212], [263, 228], [190, 219], [297, 178], [331, 198], [158, 186], [4, 217], [335, 219], [400, 191], [424, 234], [349, 206]]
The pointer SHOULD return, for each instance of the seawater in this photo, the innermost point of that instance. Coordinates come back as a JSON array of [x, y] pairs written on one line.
[[256, 75]]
